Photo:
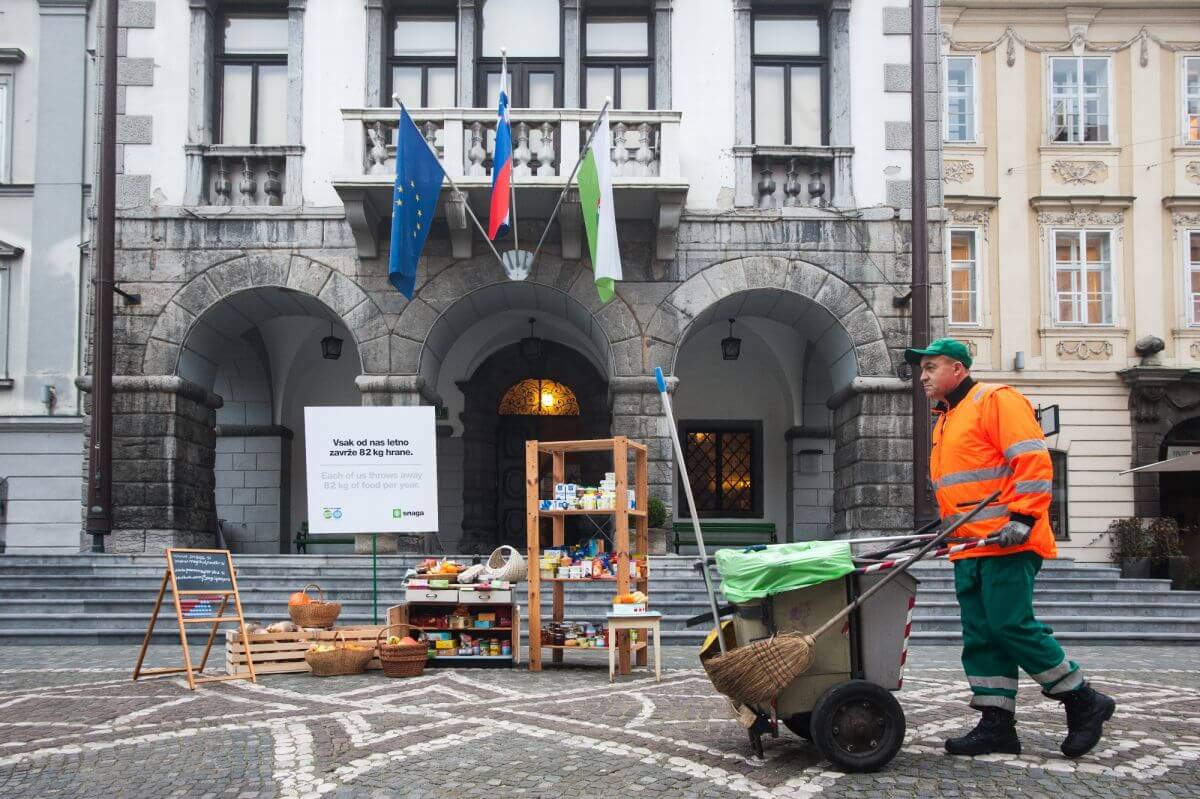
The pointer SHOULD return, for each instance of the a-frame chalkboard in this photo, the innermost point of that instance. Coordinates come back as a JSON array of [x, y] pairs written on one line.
[[198, 578]]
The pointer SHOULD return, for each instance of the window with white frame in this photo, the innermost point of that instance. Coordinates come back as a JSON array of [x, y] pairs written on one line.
[[1083, 277], [1193, 277], [1191, 100], [963, 281], [5, 128], [1080, 91], [960, 99], [423, 59]]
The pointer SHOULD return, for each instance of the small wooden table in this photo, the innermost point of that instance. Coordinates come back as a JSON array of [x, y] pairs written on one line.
[[651, 622]]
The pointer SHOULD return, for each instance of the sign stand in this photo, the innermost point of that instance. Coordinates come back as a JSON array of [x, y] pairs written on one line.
[[196, 578]]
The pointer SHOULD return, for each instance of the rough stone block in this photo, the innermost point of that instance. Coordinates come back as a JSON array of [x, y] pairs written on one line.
[[765, 271], [243, 496], [135, 129], [135, 14], [132, 190], [268, 460], [402, 354], [617, 322], [307, 275], [341, 294], [897, 135], [135, 72], [244, 461], [173, 324], [805, 279], [897, 78], [693, 296], [726, 278], [899, 193], [262, 480], [897, 21]]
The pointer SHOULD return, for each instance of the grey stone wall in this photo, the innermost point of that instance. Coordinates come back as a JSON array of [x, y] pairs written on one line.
[[248, 485], [873, 463]]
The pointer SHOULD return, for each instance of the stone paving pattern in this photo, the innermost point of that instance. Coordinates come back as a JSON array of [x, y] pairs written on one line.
[[92, 732]]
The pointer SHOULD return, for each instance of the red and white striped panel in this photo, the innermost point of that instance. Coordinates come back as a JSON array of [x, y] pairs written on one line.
[[912, 602]]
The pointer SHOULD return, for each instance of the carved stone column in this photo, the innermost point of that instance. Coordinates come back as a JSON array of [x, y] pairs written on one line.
[[743, 131], [377, 31], [293, 191]]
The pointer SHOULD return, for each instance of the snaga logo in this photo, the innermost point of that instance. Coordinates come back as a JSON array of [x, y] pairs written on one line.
[[332, 513]]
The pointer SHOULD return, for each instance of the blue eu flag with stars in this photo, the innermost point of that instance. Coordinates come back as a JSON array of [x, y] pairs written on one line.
[[415, 193]]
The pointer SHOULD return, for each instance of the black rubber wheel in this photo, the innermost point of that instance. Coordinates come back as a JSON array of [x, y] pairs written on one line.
[[858, 726], [800, 724]]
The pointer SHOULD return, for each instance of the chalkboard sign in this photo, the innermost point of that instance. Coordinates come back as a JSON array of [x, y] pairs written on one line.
[[201, 570], [203, 588]]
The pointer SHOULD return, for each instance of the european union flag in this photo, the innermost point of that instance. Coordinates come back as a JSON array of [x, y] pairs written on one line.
[[419, 177]]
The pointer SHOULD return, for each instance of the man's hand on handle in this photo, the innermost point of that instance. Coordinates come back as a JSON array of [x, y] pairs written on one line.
[[1014, 534]]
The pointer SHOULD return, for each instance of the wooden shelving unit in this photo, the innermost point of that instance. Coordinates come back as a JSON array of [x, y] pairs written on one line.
[[620, 447], [400, 614]]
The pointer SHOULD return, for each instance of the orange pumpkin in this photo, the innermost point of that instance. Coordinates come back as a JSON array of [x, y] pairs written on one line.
[[299, 598]]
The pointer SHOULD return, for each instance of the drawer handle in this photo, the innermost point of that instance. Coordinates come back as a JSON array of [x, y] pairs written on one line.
[[483, 596], [431, 596]]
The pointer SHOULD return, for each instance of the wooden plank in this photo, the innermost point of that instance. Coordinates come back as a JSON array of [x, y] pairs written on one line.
[[641, 482], [621, 467], [595, 445], [533, 542], [558, 473], [550, 514]]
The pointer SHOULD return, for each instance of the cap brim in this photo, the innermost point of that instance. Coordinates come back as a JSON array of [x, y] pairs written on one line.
[[913, 357]]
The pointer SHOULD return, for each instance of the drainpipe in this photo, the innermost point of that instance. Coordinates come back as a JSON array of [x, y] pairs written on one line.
[[923, 508], [99, 498]]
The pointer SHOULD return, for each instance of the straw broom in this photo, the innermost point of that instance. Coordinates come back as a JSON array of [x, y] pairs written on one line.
[[755, 674]]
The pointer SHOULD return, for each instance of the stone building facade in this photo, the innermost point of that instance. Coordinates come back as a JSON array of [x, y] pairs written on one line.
[[247, 255]]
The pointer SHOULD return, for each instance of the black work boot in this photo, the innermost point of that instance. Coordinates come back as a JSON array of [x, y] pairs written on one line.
[[995, 732], [1087, 710]]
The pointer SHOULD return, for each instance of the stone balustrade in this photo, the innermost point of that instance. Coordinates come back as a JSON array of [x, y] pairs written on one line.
[[546, 142], [235, 175], [802, 177]]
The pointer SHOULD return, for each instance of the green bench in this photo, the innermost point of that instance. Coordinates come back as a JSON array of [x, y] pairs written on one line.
[[303, 540], [725, 534]]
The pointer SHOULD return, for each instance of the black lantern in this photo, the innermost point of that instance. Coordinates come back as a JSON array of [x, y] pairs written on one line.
[[331, 346], [531, 347], [731, 347]]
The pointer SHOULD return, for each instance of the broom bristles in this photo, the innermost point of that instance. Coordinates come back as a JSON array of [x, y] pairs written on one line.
[[755, 674]]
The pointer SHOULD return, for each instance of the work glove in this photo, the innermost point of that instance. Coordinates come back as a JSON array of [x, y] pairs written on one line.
[[1014, 534]]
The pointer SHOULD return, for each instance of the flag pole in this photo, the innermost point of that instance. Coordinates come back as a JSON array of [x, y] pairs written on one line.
[[512, 175], [591, 135], [466, 199]]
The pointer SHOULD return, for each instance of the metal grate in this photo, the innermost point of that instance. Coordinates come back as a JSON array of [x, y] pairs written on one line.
[[720, 466]]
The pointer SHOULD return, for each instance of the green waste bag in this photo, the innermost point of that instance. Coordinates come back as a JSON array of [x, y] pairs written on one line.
[[776, 568]]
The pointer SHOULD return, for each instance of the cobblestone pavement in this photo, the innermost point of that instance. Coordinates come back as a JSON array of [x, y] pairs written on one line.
[[72, 724]]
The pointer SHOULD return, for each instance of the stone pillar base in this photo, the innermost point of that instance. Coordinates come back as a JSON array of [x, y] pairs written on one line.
[[873, 467], [136, 541]]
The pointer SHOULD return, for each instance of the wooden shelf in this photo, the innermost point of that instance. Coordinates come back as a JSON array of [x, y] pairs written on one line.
[[580, 579], [632, 647], [550, 514], [471, 657], [591, 445], [463, 629]]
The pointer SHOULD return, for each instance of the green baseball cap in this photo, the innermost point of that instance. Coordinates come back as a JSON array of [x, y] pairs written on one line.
[[941, 346]]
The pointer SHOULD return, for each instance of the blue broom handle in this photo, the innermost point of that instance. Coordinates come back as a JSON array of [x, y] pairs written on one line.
[[687, 490]]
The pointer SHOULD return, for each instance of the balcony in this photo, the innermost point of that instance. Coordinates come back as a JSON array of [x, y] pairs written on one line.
[[546, 145]]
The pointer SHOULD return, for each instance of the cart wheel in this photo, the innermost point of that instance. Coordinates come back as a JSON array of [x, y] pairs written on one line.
[[800, 724], [858, 726]]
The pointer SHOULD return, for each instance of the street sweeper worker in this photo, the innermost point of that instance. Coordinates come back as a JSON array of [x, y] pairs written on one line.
[[986, 437]]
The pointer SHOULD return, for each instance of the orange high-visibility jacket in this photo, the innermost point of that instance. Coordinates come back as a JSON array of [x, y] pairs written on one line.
[[991, 439]]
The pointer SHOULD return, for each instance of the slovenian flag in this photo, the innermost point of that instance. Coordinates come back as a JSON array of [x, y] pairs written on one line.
[[599, 213], [498, 214]]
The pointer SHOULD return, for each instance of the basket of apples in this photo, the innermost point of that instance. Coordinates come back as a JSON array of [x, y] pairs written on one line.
[[338, 657], [402, 656]]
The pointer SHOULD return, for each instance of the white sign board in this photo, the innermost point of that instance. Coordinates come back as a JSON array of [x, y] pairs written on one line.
[[371, 470]]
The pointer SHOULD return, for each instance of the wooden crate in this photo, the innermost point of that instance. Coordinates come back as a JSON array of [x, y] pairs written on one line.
[[276, 653]]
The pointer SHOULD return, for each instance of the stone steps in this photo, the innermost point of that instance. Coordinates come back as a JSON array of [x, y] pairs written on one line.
[[60, 598]]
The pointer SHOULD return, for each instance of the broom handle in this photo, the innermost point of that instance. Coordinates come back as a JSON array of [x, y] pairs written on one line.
[[687, 490], [903, 567]]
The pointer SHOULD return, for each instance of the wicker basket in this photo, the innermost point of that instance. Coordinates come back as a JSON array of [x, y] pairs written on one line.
[[508, 564], [315, 614], [340, 661], [400, 660]]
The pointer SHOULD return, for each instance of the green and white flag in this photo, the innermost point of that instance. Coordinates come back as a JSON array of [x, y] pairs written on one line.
[[599, 213]]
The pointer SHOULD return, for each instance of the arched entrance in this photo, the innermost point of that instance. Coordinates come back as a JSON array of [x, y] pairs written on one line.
[[751, 404], [515, 396], [261, 350]]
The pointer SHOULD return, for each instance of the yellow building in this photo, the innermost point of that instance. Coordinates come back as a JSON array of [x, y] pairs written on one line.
[[1072, 183]]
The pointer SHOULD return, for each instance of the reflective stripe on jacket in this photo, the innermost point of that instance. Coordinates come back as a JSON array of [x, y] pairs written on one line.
[[991, 439]]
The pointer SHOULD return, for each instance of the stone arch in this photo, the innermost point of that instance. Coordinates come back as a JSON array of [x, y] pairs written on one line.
[[325, 291], [427, 324], [839, 305]]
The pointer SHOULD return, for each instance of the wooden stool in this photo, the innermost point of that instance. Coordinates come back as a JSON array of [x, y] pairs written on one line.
[[651, 622]]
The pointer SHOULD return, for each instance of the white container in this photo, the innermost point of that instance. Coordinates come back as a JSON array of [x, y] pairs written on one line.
[[430, 594], [635, 609], [476, 597]]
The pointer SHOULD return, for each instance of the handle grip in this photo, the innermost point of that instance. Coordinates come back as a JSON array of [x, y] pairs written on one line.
[[662, 381]]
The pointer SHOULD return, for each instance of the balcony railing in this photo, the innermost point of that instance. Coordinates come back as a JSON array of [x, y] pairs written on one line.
[[243, 175], [785, 177], [546, 148]]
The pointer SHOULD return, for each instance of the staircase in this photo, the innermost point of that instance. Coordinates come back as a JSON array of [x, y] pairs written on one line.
[[107, 598]]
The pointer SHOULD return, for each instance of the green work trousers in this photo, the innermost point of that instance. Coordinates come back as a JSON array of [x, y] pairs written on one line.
[[1000, 632]]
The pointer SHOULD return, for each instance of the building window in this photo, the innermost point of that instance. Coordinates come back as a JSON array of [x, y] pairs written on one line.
[[1191, 100], [252, 70], [1058, 495], [960, 99], [789, 65], [1079, 100], [1193, 277], [1083, 277], [724, 464], [964, 277], [532, 32], [617, 61], [422, 61], [539, 397]]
